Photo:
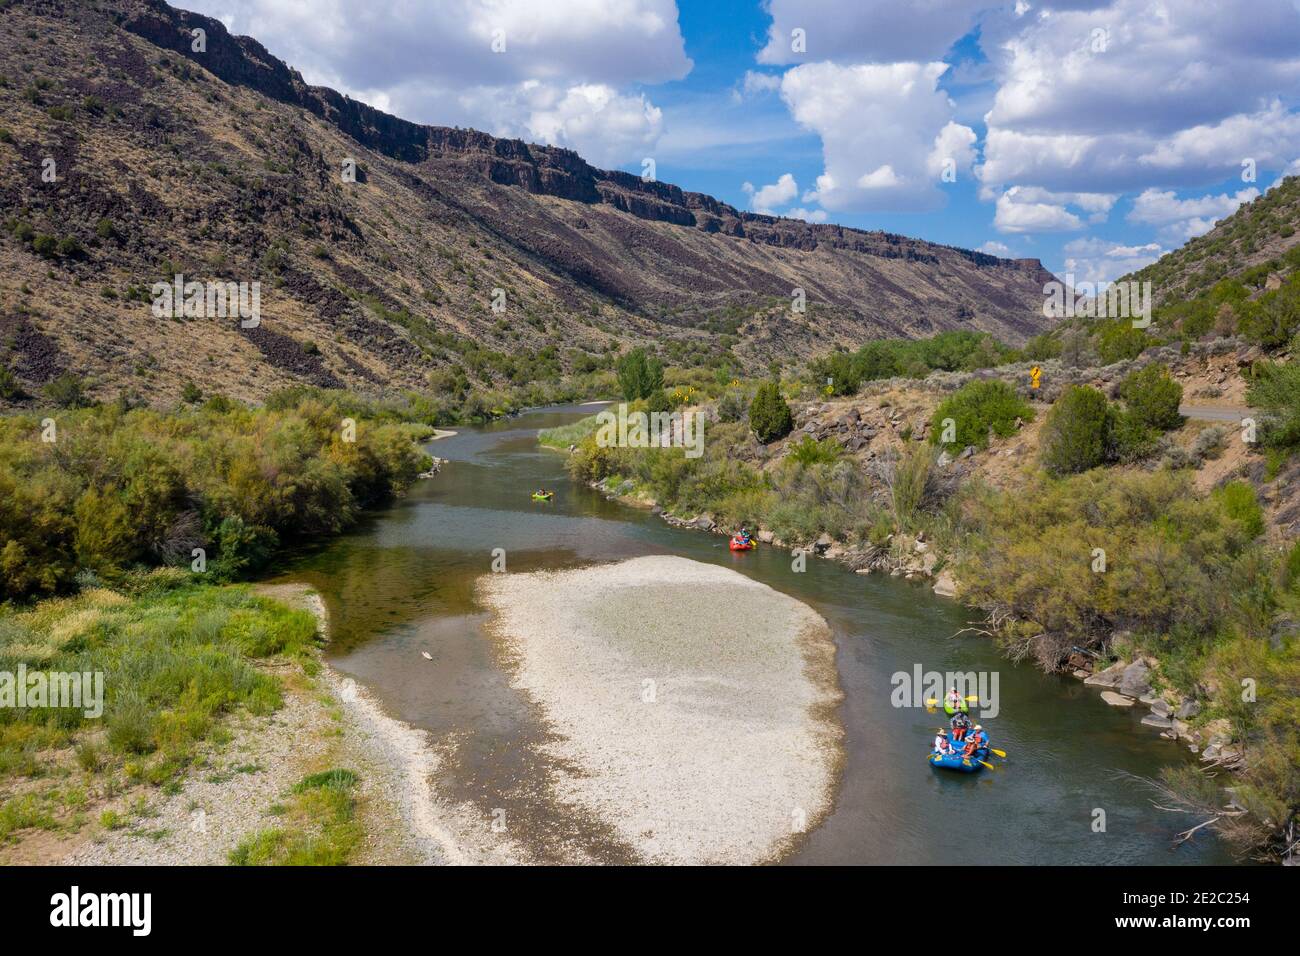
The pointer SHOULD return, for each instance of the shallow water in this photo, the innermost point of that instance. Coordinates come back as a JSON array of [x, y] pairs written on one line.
[[402, 582]]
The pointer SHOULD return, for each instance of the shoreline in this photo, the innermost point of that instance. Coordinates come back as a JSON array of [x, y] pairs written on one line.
[[404, 760], [1121, 683]]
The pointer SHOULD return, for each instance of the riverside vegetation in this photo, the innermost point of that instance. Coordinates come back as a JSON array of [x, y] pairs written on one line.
[[98, 534], [1196, 581]]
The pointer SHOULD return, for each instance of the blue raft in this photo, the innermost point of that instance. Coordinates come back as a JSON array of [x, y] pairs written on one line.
[[957, 762]]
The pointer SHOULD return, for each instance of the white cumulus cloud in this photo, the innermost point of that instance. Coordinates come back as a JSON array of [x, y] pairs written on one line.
[[766, 199], [886, 130], [1102, 261], [560, 72], [857, 31]]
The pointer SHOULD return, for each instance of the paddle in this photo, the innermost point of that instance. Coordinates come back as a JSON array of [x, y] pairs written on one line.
[[987, 764], [931, 703], [1000, 753]]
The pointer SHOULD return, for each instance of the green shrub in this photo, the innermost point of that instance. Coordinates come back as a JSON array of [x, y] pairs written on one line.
[[1272, 320], [639, 376], [1076, 435], [1043, 347], [67, 391], [808, 451], [908, 479], [127, 486], [1128, 438], [659, 401], [1175, 561], [1237, 498], [1153, 397], [11, 390], [1118, 341], [769, 415], [915, 358], [1291, 568], [1275, 388], [976, 408]]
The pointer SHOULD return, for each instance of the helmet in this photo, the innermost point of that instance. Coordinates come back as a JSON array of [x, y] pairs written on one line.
[[943, 733], [979, 726]]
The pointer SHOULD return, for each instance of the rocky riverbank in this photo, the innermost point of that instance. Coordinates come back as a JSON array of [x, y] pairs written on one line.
[[913, 557]]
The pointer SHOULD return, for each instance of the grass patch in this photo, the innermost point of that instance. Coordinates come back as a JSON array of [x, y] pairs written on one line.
[[318, 825], [562, 436], [175, 657]]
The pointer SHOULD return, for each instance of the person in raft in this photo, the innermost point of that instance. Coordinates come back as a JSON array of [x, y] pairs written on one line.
[[941, 744], [954, 699], [960, 726], [745, 536], [980, 737]]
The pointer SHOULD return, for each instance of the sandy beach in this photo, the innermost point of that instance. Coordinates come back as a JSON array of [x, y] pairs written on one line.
[[695, 706]]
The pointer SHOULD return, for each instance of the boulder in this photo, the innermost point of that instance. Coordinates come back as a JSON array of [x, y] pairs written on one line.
[[945, 585], [1218, 731], [1160, 706], [1110, 677], [822, 543], [1116, 700], [1134, 683], [765, 536], [1155, 720], [945, 459], [1188, 708]]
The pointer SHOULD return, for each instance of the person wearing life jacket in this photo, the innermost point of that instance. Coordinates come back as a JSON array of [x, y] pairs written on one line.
[[960, 726], [980, 737], [941, 744], [972, 745], [745, 537], [954, 699]]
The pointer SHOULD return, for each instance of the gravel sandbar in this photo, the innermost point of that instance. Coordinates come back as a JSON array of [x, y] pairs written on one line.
[[696, 707]]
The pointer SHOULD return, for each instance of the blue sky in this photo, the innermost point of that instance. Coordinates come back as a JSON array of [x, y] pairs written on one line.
[[1091, 134]]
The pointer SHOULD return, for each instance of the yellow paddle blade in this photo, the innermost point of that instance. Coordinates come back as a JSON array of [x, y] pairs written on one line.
[[931, 702], [1000, 753], [987, 764], [972, 697]]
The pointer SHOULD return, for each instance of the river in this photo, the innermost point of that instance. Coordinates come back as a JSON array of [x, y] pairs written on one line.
[[401, 582]]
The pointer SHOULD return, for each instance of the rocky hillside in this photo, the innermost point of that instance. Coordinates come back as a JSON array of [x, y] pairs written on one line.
[[1256, 244], [127, 157]]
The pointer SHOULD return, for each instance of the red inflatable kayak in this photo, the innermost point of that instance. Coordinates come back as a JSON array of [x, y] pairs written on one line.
[[739, 545]]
